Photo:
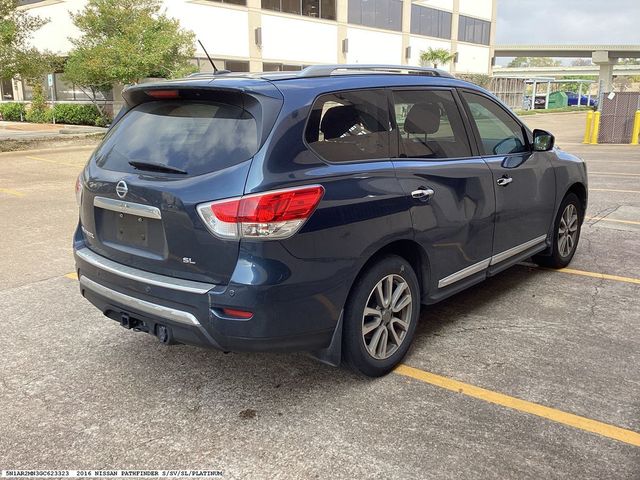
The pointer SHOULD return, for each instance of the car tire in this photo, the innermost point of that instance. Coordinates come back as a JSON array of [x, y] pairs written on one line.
[[566, 234], [375, 342]]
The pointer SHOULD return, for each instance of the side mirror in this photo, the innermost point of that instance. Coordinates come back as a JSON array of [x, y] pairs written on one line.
[[543, 141]]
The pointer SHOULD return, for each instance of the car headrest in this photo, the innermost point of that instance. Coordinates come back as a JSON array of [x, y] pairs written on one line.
[[338, 120], [423, 118]]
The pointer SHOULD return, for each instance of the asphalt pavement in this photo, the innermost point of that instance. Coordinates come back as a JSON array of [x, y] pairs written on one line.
[[78, 391]]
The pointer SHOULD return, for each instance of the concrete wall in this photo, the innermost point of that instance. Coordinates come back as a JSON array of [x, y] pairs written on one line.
[[228, 32], [476, 8], [292, 38]]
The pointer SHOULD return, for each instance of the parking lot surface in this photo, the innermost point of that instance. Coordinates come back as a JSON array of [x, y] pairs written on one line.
[[77, 391]]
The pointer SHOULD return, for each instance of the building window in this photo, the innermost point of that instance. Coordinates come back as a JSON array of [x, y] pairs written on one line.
[[204, 66], [6, 89], [325, 9], [280, 67], [474, 30], [385, 14], [236, 66], [430, 22], [233, 2]]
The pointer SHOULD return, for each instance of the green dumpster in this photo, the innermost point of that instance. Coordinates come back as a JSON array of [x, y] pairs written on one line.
[[558, 100]]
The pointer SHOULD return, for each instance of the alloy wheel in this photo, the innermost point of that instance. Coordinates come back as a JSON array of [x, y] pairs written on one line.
[[386, 317], [568, 230]]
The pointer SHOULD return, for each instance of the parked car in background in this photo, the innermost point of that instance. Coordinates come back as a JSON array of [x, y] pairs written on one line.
[[315, 210], [573, 97], [540, 102]]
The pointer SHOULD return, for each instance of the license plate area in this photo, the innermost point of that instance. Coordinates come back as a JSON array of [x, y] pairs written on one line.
[[132, 230], [131, 233]]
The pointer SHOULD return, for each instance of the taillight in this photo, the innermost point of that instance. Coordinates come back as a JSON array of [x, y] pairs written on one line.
[[272, 215], [79, 189]]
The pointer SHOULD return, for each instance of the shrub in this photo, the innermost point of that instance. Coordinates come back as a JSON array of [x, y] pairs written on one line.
[[76, 114], [102, 121], [38, 111], [12, 112], [39, 115]]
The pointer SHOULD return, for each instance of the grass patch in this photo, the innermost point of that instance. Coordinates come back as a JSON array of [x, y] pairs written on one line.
[[63, 141]]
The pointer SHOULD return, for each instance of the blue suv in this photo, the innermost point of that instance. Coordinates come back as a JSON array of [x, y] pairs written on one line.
[[315, 210]]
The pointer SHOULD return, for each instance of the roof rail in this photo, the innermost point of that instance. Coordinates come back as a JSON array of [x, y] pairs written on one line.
[[326, 70]]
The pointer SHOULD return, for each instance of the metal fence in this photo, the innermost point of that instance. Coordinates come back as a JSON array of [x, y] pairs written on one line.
[[617, 113], [509, 90]]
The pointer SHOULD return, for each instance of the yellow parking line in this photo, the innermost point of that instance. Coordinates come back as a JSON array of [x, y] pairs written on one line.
[[607, 219], [564, 418], [615, 174], [604, 276], [612, 190], [8, 191], [40, 159], [72, 275]]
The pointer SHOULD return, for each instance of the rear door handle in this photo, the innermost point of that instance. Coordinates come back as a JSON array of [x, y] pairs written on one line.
[[423, 194], [504, 181]]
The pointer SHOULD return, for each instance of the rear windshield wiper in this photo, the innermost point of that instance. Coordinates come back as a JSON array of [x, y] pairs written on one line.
[[156, 167]]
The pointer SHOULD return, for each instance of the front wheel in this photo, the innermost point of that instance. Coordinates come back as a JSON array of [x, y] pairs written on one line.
[[566, 234], [381, 316]]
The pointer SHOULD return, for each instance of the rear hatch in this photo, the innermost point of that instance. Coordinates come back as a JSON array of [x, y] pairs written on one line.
[[177, 145]]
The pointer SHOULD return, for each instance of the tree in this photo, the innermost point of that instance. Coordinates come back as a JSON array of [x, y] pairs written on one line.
[[124, 41], [524, 62], [17, 56], [436, 56], [581, 62], [629, 61]]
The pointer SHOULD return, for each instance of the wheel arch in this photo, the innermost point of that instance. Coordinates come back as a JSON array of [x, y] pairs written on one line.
[[580, 190], [412, 252]]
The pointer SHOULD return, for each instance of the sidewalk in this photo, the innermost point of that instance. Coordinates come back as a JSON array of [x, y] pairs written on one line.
[[38, 131]]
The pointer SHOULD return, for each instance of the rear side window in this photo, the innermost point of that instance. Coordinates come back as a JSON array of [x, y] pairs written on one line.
[[430, 125], [499, 133], [197, 137], [350, 126]]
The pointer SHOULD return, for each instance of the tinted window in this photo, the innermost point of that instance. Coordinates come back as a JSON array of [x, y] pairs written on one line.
[[500, 134], [192, 136], [430, 125], [430, 22], [385, 14], [350, 126], [474, 30], [311, 8]]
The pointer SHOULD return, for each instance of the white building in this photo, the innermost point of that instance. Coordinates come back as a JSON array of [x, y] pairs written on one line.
[[267, 35]]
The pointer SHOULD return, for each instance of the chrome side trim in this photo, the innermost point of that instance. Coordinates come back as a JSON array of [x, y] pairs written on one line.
[[517, 249], [164, 281], [127, 207], [141, 305], [465, 272], [478, 267]]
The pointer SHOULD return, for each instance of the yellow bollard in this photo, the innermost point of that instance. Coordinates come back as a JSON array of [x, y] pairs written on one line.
[[636, 128], [587, 129], [595, 130]]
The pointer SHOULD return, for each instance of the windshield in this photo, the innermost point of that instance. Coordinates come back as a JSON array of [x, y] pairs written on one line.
[[197, 137]]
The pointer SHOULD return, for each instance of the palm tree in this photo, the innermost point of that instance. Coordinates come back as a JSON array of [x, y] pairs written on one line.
[[436, 56]]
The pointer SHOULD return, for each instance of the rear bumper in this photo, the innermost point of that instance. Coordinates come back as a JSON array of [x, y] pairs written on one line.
[[191, 310]]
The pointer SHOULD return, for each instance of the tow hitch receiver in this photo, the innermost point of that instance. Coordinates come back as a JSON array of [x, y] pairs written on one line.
[[127, 322]]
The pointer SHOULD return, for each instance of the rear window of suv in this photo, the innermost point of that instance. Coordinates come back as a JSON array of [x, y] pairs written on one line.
[[197, 137]]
